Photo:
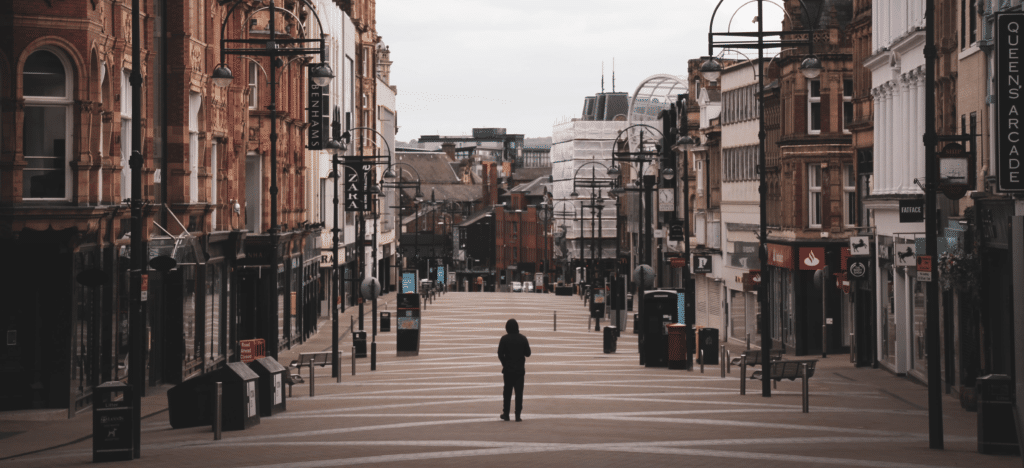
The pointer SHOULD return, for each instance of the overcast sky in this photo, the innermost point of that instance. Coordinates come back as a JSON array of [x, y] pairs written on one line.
[[525, 64]]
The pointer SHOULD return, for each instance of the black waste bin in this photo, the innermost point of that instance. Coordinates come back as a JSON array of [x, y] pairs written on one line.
[[272, 398], [112, 435], [359, 341], [191, 403], [629, 302], [636, 324], [997, 432], [709, 345], [611, 334], [385, 322]]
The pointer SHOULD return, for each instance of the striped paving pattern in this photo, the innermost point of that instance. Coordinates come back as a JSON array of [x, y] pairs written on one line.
[[582, 408]]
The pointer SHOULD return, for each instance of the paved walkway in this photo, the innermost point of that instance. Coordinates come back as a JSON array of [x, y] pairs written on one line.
[[582, 408]]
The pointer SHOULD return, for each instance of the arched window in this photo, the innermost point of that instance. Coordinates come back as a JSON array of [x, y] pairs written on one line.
[[47, 128]]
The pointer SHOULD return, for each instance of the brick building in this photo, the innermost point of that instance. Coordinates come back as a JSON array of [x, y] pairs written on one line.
[[65, 120]]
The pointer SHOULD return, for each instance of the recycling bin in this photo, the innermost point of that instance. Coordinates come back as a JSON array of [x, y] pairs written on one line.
[[271, 385], [359, 341], [611, 335], [709, 345], [112, 434], [385, 322], [997, 432], [677, 350], [191, 403]]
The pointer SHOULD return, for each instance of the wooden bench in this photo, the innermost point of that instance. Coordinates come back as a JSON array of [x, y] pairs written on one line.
[[321, 359]]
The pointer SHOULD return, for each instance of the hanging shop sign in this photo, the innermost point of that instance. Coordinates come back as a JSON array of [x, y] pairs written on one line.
[[702, 264], [912, 211], [780, 256], [858, 268], [316, 113], [1009, 75], [812, 258], [859, 245], [905, 255]]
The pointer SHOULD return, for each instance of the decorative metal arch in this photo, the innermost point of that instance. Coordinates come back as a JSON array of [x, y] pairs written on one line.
[[654, 94]]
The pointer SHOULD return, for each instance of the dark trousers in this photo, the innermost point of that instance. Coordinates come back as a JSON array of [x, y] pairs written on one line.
[[513, 381]]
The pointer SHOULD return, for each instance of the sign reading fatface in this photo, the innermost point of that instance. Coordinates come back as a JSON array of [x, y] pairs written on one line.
[[1009, 78], [912, 211]]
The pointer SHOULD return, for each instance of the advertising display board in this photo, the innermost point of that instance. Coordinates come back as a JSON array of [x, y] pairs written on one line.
[[407, 320]]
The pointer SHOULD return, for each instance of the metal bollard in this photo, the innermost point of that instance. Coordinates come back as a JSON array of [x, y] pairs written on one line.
[[721, 355], [312, 379], [702, 361], [728, 361], [556, 320], [743, 374], [748, 341], [807, 403], [218, 412], [353, 360], [338, 370]]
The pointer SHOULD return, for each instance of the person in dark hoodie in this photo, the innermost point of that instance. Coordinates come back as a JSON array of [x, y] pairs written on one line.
[[513, 349]]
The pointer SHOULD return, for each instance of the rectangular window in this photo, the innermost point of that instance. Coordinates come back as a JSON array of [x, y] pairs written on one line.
[[45, 146], [126, 135], [849, 195], [195, 102], [972, 13], [254, 85], [847, 104], [814, 107], [213, 184], [814, 195]]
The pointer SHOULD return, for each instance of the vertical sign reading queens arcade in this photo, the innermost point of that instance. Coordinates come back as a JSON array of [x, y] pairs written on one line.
[[1009, 102]]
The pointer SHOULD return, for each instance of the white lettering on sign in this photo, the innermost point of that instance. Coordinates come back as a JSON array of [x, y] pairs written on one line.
[[1009, 164]]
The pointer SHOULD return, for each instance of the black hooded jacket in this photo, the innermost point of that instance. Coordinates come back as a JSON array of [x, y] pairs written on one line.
[[513, 349]]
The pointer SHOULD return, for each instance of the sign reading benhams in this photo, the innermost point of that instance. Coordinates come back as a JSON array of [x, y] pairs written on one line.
[[1009, 79]]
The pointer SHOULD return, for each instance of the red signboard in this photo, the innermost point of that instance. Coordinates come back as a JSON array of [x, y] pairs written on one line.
[[811, 258], [924, 263], [780, 256], [751, 280], [678, 262]]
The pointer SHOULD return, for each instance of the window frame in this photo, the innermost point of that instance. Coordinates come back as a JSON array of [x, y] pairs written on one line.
[[813, 104], [847, 104], [849, 195], [126, 135], [254, 85], [66, 102], [814, 192]]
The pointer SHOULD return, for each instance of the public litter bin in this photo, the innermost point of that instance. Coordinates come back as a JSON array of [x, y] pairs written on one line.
[[629, 302], [636, 324], [112, 435], [611, 335], [709, 345], [271, 386], [359, 341], [385, 322], [677, 355], [191, 403], [997, 432]]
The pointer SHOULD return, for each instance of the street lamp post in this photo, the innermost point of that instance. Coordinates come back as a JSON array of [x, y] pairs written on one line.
[[399, 184], [595, 186], [711, 70], [544, 215], [567, 211], [641, 155], [274, 47]]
